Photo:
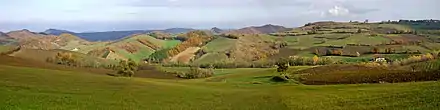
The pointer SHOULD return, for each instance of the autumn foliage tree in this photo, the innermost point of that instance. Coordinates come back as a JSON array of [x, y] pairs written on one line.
[[315, 59], [195, 39], [64, 58]]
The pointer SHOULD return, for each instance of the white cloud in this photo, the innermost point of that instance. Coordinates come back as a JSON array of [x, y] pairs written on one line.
[[123, 14], [338, 11]]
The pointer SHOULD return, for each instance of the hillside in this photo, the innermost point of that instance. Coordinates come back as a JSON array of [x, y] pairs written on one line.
[[6, 40], [75, 89], [217, 30], [176, 30], [325, 38], [57, 32], [114, 35], [24, 35], [246, 48], [136, 47], [42, 56], [64, 41], [266, 29]]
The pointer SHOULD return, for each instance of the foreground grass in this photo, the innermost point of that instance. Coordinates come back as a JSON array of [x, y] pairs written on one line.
[[30, 88]]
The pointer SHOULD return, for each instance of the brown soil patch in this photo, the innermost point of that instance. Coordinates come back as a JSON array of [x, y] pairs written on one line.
[[186, 55], [148, 44], [129, 47]]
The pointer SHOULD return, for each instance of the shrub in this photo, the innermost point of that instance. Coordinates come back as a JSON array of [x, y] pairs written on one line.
[[283, 65], [196, 72], [306, 61], [315, 59], [64, 58], [158, 56], [417, 58], [280, 78], [231, 36], [127, 68]]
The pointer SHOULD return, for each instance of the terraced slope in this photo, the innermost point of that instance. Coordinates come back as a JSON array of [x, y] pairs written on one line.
[[137, 47]]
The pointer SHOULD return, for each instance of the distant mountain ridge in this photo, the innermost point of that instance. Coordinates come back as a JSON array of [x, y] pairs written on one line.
[[33, 40], [3, 34], [57, 32], [113, 35], [26, 35], [216, 30], [266, 29], [5, 39]]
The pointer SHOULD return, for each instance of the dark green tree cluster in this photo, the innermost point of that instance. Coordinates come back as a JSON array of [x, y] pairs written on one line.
[[283, 65], [231, 36], [158, 56], [196, 72]]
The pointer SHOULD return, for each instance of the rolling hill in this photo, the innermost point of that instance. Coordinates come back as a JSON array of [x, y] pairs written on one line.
[[37, 88], [113, 35], [217, 30], [246, 48], [6, 40], [136, 47], [24, 35], [266, 29], [408, 79], [57, 32], [247, 44]]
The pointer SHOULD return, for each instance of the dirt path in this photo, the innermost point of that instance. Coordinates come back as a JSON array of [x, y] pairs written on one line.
[[186, 55]]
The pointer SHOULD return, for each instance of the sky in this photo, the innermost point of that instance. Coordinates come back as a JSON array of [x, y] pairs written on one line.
[[113, 15]]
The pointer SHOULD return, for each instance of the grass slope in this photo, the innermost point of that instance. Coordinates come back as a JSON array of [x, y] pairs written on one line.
[[220, 44], [5, 48], [142, 51], [31, 88]]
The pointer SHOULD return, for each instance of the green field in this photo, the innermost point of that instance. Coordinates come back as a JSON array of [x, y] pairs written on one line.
[[220, 44], [357, 39], [4, 48], [211, 57], [31, 88]]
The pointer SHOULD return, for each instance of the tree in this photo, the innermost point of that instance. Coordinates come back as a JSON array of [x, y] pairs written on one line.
[[127, 68], [64, 58], [316, 52], [315, 59], [375, 50], [283, 65], [359, 31]]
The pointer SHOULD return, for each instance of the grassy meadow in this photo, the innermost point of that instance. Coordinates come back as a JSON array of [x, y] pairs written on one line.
[[32, 88]]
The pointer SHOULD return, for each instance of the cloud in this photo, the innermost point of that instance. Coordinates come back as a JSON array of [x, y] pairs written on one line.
[[338, 11], [81, 15], [218, 3]]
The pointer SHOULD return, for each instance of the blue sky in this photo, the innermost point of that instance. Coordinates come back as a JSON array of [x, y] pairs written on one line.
[[109, 15]]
